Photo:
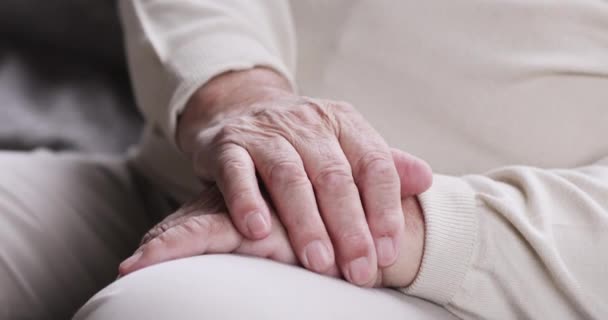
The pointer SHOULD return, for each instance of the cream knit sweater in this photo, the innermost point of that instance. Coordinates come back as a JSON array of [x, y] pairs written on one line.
[[508, 100]]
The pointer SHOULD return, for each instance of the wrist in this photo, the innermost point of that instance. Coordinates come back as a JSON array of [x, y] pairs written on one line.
[[227, 93], [404, 271]]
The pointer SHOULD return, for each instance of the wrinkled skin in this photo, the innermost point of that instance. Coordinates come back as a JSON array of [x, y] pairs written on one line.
[[329, 175], [203, 226]]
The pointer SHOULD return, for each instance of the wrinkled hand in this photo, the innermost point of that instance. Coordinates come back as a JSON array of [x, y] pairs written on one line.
[[203, 226], [329, 174]]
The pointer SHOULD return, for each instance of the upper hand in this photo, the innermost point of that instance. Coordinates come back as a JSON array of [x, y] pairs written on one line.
[[329, 174]]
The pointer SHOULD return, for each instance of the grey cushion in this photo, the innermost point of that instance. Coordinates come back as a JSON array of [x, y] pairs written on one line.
[[63, 80]]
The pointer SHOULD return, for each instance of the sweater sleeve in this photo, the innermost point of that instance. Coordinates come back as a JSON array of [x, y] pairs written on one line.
[[175, 46], [518, 243]]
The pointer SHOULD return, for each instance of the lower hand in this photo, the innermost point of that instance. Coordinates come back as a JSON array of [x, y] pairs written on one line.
[[202, 226]]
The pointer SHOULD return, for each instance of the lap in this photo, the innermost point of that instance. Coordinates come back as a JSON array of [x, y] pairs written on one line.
[[236, 287], [66, 221]]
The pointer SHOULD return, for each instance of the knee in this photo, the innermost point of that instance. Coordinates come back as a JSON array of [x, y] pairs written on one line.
[[235, 287], [203, 287]]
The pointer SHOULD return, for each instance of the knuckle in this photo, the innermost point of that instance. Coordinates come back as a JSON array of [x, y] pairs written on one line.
[[231, 165], [309, 112], [162, 227], [212, 223], [230, 133], [333, 177], [342, 107], [147, 237], [162, 240], [155, 232], [196, 225], [286, 174], [267, 114], [172, 236], [205, 225], [229, 130], [320, 116], [314, 109], [377, 165], [334, 115]]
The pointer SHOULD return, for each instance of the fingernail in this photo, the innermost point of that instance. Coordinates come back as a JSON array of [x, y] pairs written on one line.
[[385, 249], [127, 264], [316, 256], [257, 225], [359, 271]]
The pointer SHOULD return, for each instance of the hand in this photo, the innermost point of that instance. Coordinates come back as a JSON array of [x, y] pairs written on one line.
[[202, 226], [329, 174], [199, 229]]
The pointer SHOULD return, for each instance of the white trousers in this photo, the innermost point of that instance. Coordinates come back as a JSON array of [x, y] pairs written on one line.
[[67, 220]]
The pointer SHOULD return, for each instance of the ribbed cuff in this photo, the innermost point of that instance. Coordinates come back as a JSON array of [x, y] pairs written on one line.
[[451, 232], [208, 57]]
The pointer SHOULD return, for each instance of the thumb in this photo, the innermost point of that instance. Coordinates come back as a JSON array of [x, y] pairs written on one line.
[[415, 174]]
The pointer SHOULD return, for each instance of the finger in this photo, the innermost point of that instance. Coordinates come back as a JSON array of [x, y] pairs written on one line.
[[341, 208], [415, 174], [293, 197], [237, 181], [210, 233], [275, 247], [208, 201], [378, 183], [168, 223]]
